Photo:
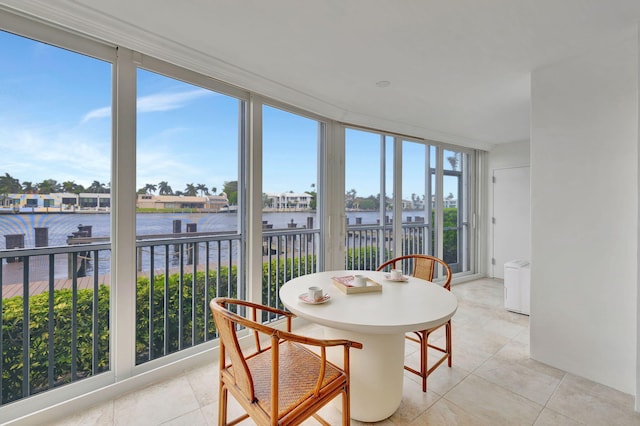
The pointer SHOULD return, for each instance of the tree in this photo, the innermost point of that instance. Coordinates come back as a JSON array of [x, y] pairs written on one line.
[[191, 190], [97, 188], [453, 160], [48, 186], [72, 187], [9, 185], [164, 188], [214, 190], [231, 189], [350, 198], [28, 188], [314, 197], [203, 189], [149, 188]]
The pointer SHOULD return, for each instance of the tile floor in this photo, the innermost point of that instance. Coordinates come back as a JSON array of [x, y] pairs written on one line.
[[492, 382]]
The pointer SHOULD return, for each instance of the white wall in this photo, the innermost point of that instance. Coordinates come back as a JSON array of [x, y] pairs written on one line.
[[584, 210], [502, 156]]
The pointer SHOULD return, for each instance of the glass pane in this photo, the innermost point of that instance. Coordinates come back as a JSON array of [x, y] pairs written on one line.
[[368, 240], [55, 140], [187, 219], [290, 178], [362, 177], [415, 228], [451, 160], [187, 157], [451, 219], [388, 178], [289, 170]]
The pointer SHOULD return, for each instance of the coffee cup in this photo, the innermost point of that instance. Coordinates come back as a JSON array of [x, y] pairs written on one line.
[[359, 280], [315, 293], [396, 274]]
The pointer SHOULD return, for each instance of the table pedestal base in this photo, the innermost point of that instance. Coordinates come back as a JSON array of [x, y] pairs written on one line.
[[377, 371]]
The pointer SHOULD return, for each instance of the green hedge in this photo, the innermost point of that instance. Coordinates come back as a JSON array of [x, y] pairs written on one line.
[[181, 297], [13, 339]]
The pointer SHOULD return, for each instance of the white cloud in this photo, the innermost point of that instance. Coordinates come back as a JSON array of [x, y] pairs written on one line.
[[154, 103], [169, 101], [97, 113]]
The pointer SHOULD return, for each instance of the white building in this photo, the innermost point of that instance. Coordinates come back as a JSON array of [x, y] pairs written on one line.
[[287, 201]]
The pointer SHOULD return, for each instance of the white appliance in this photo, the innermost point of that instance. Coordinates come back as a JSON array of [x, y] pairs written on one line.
[[517, 286]]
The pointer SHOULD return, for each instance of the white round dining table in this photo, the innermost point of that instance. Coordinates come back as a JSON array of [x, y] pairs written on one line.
[[378, 320]]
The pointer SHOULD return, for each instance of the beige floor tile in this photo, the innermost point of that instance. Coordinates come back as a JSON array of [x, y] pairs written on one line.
[[441, 380], [100, 415], [593, 403], [204, 382], [414, 402], [493, 403], [549, 417], [194, 418], [210, 413], [446, 413], [520, 377], [156, 404]]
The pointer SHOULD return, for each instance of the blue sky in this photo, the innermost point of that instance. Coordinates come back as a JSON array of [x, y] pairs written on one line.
[[56, 123]]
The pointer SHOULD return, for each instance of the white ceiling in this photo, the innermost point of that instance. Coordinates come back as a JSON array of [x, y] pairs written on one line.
[[459, 69]]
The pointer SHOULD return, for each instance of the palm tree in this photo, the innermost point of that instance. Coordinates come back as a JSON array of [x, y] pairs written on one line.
[[28, 188], [203, 189], [164, 188], [71, 186], [97, 188], [453, 160], [9, 184], [191, 190], [350, 197], [48, 186], [214, 190], [149, 188]]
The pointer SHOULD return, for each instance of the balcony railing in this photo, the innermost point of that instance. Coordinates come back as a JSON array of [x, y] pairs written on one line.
[[56, 301], [54, 317]]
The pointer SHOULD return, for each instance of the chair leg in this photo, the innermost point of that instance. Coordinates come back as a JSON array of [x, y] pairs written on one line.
[[449, 342], [222, 406], [346, 407], [424, 362]]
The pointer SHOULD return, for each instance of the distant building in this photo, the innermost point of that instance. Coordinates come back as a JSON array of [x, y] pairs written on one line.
[[69, 202], [214, 203], [287, 201], [61, 201]]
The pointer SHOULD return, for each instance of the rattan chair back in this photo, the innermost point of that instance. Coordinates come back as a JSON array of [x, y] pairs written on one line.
[[278, 380]]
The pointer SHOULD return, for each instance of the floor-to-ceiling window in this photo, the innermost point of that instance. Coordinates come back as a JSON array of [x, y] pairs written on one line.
[[291, 159], [367, 200], [432, 213], [55, 165], [189, 226]]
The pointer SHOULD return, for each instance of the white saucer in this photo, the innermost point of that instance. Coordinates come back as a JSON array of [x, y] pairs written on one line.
[[402, 279], [304, 297]]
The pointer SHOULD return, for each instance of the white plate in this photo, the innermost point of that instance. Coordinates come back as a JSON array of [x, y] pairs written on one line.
[[402, 279], [304, 297]]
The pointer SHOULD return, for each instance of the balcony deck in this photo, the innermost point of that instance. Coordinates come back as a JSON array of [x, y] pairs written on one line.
[[492, 381]]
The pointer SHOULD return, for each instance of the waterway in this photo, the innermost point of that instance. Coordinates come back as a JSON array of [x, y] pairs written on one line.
[[62, 225]]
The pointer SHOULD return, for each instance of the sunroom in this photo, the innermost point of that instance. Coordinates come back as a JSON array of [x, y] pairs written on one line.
[[99, 100]]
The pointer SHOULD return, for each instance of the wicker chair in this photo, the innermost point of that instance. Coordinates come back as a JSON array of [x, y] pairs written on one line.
[[423, 266], [279, 382]]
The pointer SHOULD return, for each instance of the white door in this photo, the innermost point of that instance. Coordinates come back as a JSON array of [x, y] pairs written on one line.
[[511, 217]]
